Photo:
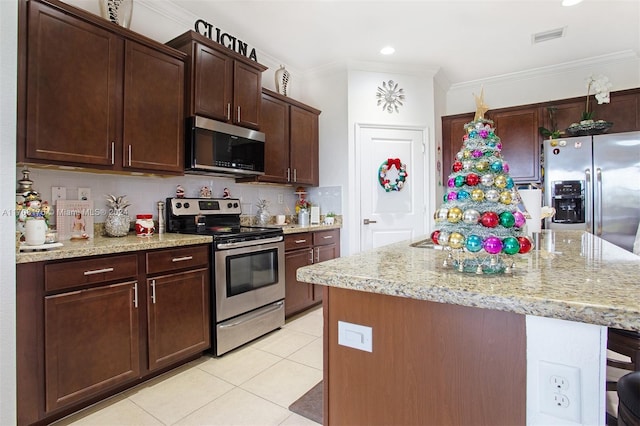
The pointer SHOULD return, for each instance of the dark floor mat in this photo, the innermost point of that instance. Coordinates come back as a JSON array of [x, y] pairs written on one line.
[[310, 404]]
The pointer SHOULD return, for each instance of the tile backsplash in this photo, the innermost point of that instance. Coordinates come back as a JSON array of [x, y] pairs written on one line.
[[143, 192]]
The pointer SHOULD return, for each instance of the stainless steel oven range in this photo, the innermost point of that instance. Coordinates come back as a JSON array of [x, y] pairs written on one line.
[[247, 268]]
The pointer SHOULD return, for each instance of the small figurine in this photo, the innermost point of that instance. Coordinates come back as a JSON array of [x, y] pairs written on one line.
[[205, 192], [179, 191], [226, 193]]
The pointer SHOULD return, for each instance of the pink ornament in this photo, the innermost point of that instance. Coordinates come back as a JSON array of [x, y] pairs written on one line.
[[492, 245], [483, 133], [520, 220], [477, 153], [499, 146], [451, 183], [505, 167], [452, 196]]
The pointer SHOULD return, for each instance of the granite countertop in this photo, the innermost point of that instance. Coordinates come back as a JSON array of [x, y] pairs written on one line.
[[574, 276], [106, 245], [297, 229]]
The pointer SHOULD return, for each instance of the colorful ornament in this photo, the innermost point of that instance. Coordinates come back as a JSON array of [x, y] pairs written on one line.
[[471, 216], [434, 237], [525, 245], [489, 219], [451, 182], [492, 245], [487, 180], [492, 195], [463, 195], [496, 166], [442, 214], [505, 197], [467, 164], [477, 195], [510, 245], [451, 196], [509, 184], [454, 215], [482, 165], [459, 181], [456, 240], [519, 219], [457, 166], [500, 181], [443, 238], [477, 153], [472, 179], [507, 219], [474, 243]]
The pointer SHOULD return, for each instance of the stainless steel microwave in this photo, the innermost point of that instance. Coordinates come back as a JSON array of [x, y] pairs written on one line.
[[217, 148]]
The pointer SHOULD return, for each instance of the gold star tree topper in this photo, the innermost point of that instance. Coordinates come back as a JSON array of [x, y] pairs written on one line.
[[481, 107]]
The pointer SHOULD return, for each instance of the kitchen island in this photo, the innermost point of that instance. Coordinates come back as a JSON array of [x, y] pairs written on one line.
[[457, 348]]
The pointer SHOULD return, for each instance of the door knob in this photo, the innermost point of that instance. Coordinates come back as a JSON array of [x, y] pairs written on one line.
[[367, 221]]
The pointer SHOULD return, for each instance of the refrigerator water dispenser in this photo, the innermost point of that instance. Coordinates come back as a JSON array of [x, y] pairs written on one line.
[[568, 200]]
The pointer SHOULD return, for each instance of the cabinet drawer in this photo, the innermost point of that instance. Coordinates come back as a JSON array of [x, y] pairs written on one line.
[[297, 241], [63, 275], [322, 238], [178, 258]]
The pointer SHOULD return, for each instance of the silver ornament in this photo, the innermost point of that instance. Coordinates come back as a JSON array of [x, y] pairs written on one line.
[[487, 180], [492, 195], [471, 216]]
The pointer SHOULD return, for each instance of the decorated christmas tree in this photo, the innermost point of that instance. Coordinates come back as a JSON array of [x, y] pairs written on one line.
[[479, 222]]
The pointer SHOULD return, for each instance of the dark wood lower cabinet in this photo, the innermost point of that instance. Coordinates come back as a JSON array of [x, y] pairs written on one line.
[[301, 250], [91, 342], [91, 327]]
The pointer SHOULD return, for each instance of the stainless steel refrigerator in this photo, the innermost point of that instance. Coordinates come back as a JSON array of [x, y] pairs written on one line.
[[593, 182]]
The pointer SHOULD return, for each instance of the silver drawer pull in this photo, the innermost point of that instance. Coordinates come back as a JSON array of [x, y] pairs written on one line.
[[98, 271], [328, 237], [182, 259], [300, 241]]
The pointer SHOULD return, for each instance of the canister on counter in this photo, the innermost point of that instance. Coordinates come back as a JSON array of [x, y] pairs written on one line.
[[144, 225]]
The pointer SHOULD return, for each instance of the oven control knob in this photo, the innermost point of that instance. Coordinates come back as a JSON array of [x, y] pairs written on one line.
[[229, 205], [235, 205], [178, 205], [186, 205]]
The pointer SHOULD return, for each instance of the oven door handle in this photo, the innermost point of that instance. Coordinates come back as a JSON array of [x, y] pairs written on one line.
[[259, 312], [250, 243]]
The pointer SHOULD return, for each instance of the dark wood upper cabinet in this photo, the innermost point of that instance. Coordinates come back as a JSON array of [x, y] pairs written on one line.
[[97, 95], [291, 141], [452, 133], [222, 85]]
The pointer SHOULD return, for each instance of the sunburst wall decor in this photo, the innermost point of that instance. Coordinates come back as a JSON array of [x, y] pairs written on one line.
[[390, 96]]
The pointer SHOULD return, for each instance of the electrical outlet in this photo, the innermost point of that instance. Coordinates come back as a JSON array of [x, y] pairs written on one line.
[[559, 391], [58, 193], [84, 193], [280, 198]]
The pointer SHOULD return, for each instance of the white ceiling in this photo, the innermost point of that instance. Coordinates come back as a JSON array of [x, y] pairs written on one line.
[[466, 40]]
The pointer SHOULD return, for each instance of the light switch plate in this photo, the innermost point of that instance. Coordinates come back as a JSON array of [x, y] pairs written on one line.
[[355, 336], [84, 194], [58, 193]]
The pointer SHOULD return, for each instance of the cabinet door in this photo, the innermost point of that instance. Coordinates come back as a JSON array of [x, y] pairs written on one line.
[[623, 111], [247, 86], [565, 114], [212, 88], [452, 133], [91, 342], [298, 295], [178, 316], [275, 126], [153, 137], [518, 132], [73, 82], [304, 146]]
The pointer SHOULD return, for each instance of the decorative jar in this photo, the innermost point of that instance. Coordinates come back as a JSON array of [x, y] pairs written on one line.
[[303, 217], [117, 224], [117, 11], [35, 232], [144, 225]]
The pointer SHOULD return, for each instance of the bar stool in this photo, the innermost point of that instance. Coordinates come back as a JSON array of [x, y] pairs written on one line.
[[629, 400], [626, 343]]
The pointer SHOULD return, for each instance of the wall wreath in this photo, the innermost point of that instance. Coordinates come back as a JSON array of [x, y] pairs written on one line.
[[386, 174]]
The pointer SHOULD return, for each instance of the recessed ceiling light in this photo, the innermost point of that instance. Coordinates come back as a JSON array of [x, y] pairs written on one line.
[[570, 2], [387, 50]]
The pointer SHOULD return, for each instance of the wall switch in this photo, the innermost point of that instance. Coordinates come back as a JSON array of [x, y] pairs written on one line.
[[58, 193], [84, 194], [280, 198], [355, 336], [560, 390]]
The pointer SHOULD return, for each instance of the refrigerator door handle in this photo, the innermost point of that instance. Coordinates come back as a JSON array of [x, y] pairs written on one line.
[[588, 201], [597, 203]]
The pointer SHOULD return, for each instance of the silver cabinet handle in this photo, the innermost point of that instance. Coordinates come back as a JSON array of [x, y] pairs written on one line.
[[295, 175], [129, 155], [113, 152], [367, 221], [327, 237], [229, 112], [98, 271], [135, 295], [238, 113], [153, 291], [181, 259], [300, 241], [317, 255], [288, 174], [311, 256]]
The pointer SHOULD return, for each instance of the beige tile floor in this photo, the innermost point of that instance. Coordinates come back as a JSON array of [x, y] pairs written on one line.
[[252, 385]]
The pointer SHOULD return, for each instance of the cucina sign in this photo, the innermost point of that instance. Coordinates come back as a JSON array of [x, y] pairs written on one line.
[[227, 40]]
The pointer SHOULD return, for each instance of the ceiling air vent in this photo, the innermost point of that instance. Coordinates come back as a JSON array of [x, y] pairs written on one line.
[[548, 35]]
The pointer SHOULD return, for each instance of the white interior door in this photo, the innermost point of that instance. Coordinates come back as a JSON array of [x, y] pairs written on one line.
[[396, 215]]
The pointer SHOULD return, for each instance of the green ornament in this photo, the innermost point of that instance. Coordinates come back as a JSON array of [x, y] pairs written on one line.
[[510, 245], [507, 219], [459, 181]]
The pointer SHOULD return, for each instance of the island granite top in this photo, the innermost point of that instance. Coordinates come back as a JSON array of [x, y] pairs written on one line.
[[110, 245], [573, 276]]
